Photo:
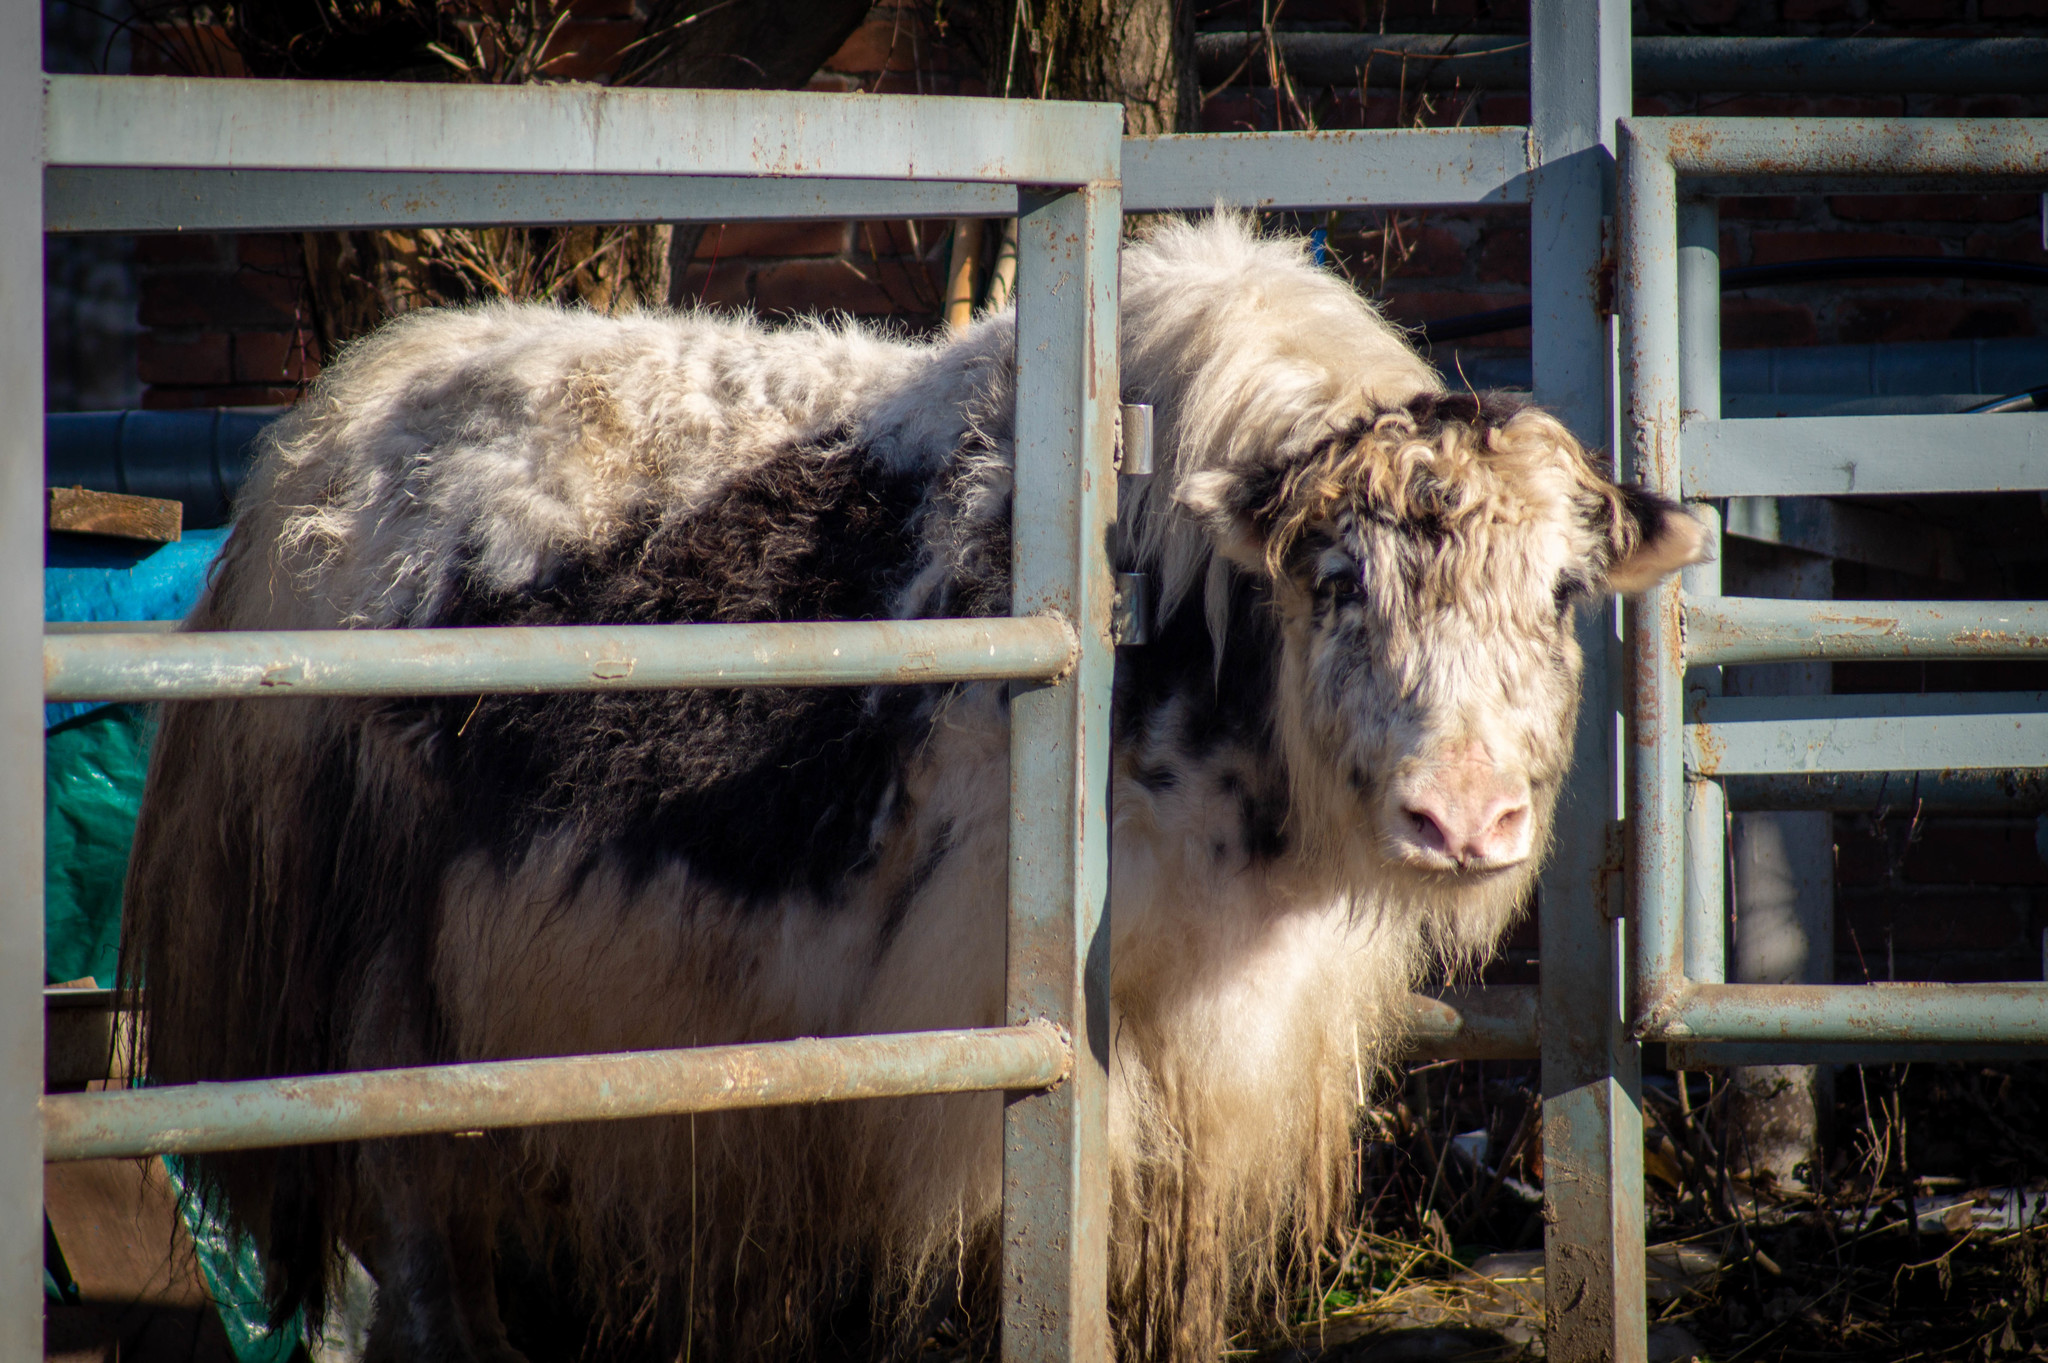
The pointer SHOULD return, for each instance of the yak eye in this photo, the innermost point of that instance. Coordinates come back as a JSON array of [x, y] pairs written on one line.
[[1341, 585]]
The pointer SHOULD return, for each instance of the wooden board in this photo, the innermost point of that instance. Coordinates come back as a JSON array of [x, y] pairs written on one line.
[[117, 1224], [85, 512]]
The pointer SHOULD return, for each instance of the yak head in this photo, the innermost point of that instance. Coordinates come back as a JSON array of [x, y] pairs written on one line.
[[1423, 565]]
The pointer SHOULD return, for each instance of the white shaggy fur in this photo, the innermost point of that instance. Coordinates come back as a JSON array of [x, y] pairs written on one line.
[[1258, 977]]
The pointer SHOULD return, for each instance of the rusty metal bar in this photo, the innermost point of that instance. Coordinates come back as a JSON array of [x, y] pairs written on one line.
[[1959, 153], [460, 662], [434, 1099], [1985, 730], [1738, 629], [1989, 1013], [1055, 1257], [1592, 1069], [1648, 282], [156, 122], [1500, 1022]]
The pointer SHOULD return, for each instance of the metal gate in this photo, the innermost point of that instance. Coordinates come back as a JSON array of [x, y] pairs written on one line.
[[150, 155]]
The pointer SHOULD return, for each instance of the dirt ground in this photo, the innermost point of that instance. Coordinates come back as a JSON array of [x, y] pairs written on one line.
[[1925, 1235]]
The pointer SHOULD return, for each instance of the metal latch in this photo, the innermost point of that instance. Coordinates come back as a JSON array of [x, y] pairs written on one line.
[[1134, 452], [1130, 615]]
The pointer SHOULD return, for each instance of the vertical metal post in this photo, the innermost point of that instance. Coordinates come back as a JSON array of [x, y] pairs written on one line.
[[1055, 1170], [1647, 262], [1592, 1117], [21, 682], [1699, 398]]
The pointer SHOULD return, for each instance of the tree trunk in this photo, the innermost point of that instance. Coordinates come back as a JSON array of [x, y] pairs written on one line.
[[1137, 53]]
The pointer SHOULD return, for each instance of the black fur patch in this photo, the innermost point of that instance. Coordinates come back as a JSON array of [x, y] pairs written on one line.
[[761, 790], [1230, 708]]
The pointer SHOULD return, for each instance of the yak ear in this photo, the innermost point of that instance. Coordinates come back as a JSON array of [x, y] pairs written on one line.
[[1225, 503], [1653, 538]]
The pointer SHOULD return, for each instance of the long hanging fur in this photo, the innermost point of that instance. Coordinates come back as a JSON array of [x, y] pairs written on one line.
[[323, 885]]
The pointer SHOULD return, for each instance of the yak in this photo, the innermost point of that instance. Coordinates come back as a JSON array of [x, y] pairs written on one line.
[[1334, 769]]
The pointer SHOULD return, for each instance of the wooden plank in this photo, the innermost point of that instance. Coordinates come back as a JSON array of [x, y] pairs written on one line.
[[118, 1225], [83, 511]]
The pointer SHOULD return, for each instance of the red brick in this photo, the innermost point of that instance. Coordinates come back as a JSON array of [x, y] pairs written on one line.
[[1771, 248], [729, 241], [1747, 323], [272, 357], [1923, 923], [724, 285], [587, 49], [887, 44], [1653, 106], [1896, 208], [2021, 245], [271, 251], [1773, 207], [183, 248], [183, 360], [925, 82], [1504, 256], [164, 399], [1504, 111], [2013, 9], [243, 299], [869, 289], [1409, 308], [1932, 319], [1974, 852], [1920, 11], [181, 49], [898, 239]]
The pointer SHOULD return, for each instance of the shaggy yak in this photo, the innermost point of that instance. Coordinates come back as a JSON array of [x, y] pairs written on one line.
[[1334, 770]]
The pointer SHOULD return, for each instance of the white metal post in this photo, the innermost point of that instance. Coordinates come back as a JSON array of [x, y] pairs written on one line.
[[1055, 1167], [1592, 1128], [21, 682]]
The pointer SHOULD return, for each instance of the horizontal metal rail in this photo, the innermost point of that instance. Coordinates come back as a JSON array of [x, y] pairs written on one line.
[[1384, 168], [1831, 456], [1501, 1022], [1758, 734], [1747, 629], [1381, 168], [1706, 1055], [1791, 155], [437, 1099], [1988, 1013], [146, 121], [2014, 790], [460, 662]]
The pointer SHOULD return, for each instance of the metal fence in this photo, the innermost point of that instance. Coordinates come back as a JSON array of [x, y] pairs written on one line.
[[130, 155]]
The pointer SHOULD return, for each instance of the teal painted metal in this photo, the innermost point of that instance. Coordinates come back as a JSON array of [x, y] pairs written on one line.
[[146, 199], [1592, 1069], [21, 711], [1055, 1268], [567, 129], [1503, 1022], [1829, 456], [434, 1099], [460, 662], [1752, 735], [1991, 1013], [1757, 629], [1387, 168], [1742, 739]]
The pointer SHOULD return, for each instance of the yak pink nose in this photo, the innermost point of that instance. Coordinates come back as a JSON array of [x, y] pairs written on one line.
[[1477, 823]]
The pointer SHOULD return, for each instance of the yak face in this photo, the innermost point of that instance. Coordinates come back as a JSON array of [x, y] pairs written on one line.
[[1424, 566]]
